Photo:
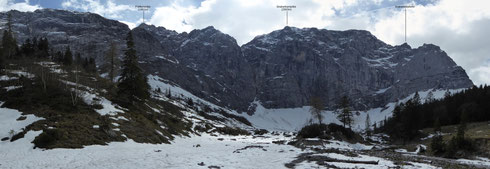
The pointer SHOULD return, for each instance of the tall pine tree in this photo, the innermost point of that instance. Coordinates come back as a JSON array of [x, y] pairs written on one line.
[[68, 57], [133, 84], [368, 125], [344, 115]]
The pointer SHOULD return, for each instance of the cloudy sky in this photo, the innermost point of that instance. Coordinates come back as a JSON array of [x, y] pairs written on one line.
[[460, 27]]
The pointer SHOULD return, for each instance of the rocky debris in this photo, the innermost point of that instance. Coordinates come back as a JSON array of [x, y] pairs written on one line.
[[403, 159], [279, 142], [250, 147]]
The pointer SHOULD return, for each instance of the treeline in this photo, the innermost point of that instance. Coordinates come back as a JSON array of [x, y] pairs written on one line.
[[410, 117]]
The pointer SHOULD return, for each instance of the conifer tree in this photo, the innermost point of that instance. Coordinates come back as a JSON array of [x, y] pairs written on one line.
[[344, 115], [78, 59], [430, 97], [133, 84], [91, 66], [368, 125], [416, 99], [9, 43], [447, 94], [43, 47], [437, 144], [68, 57], [169, 93], [1, 59], [461, 128]]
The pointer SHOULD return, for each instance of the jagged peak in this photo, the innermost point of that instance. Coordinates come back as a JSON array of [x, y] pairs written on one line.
[[147, 26], [157, 29], [206, 30], [405, 46], [430, 46]]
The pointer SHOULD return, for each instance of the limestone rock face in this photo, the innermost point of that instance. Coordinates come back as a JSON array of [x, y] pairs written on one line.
[[282, 69], [87, 33], [292, 65]]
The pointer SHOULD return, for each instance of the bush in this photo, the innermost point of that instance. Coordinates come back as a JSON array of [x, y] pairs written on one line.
[[232, 131], [313, 131], [327, 131], [437, 145], [17, 136], [260, 132], [47, 138]]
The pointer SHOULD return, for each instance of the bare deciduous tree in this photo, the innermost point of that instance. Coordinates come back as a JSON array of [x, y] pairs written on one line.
[[316, 108]]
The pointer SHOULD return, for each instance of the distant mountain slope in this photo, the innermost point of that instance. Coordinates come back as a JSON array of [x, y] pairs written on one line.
[[282, 69], [285, 68]]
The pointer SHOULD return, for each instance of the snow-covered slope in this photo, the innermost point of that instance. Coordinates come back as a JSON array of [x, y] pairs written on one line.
[[293, 119]]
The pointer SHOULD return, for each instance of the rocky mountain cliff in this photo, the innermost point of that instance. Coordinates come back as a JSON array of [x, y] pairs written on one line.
[[281, 69], [292, 65], [87, 33]]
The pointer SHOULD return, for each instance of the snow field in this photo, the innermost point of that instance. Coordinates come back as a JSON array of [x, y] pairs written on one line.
[[293, 119]]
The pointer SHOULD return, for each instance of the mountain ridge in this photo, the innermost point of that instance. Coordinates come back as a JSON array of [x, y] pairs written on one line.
[[281, 69]]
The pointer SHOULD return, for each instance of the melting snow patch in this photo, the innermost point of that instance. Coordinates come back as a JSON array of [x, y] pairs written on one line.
[[9, 88], [21, 73], [416, 165], [6, 78], [169, 60], [482, 161], [108, 107], [382, 90], [9, 122]]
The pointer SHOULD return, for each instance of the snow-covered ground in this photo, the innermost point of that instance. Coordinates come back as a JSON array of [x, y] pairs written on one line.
[[182, 153], [203, 151], [185, 152]]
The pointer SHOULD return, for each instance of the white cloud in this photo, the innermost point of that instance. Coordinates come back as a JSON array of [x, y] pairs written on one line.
[[245, 19], [6, 5], [110, 9], [481, 74], [131, 25]]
